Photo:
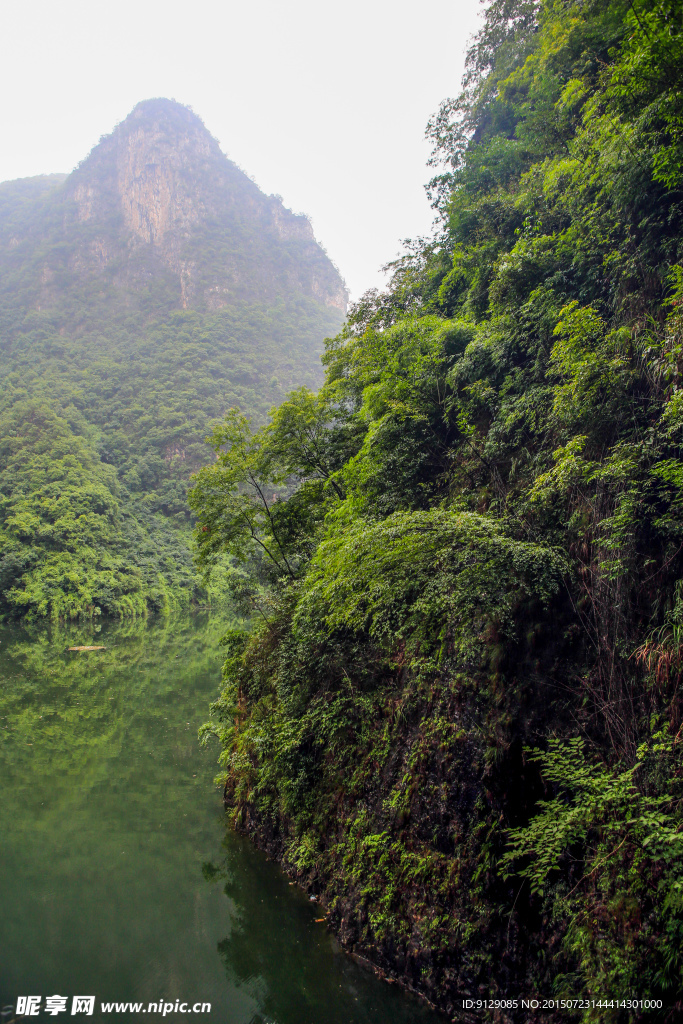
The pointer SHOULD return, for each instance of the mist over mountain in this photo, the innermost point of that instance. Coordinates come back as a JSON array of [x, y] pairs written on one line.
[[141, 296], [157, 204]]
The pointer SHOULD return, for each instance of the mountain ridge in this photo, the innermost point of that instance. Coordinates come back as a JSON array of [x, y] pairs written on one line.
[[134, 206], [141, 297]]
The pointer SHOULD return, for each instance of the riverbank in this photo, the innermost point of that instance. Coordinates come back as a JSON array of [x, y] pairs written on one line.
[[398, 844], [274, 845]]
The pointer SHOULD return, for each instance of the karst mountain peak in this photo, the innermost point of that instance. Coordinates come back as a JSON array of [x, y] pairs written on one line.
[[161, 168], [142, 297], [158, 199]]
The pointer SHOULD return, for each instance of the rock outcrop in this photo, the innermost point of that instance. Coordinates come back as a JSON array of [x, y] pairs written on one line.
[[157, 197]]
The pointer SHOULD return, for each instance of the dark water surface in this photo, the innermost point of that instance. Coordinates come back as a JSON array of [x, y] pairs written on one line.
[[118, 878]]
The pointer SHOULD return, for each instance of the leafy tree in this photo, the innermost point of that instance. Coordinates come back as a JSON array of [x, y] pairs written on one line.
[[460, 716]]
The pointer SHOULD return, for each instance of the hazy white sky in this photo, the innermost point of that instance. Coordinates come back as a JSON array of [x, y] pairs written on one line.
[[325, 104]]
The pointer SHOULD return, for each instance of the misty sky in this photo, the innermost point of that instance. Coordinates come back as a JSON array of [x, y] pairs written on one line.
[[324, 104]]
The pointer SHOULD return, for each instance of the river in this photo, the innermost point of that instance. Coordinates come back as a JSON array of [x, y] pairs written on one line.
[[118, 876]]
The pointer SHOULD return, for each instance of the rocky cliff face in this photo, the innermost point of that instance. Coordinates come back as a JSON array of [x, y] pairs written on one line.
[[158, 198]]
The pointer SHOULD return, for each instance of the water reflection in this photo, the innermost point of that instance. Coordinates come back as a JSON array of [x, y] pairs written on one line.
[[107, 816], [287, 960]]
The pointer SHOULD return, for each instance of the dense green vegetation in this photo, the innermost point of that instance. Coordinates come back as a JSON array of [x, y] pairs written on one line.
[[97, 444], [107, 384], [459, 716]]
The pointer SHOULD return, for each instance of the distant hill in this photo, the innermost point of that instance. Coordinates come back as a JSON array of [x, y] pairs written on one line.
[[140, 297]]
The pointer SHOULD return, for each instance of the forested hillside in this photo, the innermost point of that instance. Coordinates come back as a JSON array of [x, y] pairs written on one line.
[[141, 297], [459, 718]]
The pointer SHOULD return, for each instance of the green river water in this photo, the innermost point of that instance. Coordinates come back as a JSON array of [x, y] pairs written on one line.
[[118, 877]]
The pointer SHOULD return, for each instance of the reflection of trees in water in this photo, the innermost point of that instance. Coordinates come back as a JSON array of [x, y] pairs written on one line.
[[65, 714], [293, 966], [107, 810], [99, 800]]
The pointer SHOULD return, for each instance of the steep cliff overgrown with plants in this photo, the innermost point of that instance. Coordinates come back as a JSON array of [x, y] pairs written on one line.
[[458, 716], [140, 297]]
